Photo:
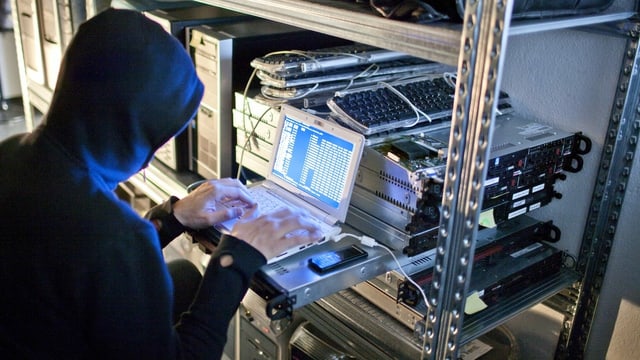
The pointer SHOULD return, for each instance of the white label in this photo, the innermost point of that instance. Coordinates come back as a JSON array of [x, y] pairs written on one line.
[[516, 213], [490, 182], [520, 194], [518, 203], [534, 206], [537, 188]]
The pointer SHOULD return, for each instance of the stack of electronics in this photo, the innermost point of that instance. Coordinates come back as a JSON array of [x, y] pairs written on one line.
[[309, 78], [398, 194], [406, 123], [343, 325], [398, 190], [508, 260]]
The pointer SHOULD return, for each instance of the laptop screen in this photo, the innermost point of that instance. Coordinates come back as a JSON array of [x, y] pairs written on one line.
[[317, 160]]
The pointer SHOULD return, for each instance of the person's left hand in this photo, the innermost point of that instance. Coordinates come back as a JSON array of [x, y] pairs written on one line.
[[198, 209]]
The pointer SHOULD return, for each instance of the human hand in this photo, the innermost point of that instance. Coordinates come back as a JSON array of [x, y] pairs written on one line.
[[273, 233], [198, 209]]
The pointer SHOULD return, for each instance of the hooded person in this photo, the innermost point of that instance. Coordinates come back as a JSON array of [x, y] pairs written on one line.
[[83, 276]]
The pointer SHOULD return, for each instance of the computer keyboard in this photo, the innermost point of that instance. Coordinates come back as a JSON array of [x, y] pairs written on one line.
[[394, 105], [388, 107], [295, 62]]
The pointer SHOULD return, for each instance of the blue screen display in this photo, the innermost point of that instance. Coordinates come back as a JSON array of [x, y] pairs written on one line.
[[313, 161]]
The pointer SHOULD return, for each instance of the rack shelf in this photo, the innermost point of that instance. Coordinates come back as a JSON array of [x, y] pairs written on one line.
[[439, 42], [487, 319]]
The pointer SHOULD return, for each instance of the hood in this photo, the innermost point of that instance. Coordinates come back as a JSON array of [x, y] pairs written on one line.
[[125, 87]]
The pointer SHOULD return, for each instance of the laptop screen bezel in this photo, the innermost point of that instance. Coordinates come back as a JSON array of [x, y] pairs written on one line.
[[324, 125]]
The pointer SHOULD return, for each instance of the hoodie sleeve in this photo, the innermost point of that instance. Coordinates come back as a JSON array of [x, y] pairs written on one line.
[[131, 309], [165, 222], [203, 329]]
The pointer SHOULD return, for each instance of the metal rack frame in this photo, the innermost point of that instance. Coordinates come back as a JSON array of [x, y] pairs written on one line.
[[483, 39], [619, 150]]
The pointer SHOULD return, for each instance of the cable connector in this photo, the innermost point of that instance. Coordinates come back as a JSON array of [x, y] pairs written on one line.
[[364, 240], [368, 241]]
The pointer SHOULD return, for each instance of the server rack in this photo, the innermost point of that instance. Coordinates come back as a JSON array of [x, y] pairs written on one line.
[[479, 49]]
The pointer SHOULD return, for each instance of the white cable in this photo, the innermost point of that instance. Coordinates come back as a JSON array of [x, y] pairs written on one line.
[[245, 114], [250, 136], [371, 242], [422, 293], [405, 99], [363, 74], [450, 78]]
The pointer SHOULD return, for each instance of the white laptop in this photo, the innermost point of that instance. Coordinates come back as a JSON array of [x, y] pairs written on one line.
[[313, 165]]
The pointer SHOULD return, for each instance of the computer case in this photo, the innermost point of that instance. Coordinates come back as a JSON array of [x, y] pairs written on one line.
[[60, 20], [222, 55], [256, 335], [51, 41], [176, 20], [176, 153], [28, 19]]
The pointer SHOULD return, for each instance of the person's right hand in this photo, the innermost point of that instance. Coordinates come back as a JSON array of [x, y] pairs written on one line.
[[273, 233]]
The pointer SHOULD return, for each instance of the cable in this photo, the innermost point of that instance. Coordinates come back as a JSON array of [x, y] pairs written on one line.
[[250, 136], [363, 74], [311, 55], [245, 115], [450, 78], [413, 107], [371, 242], [371, 70]]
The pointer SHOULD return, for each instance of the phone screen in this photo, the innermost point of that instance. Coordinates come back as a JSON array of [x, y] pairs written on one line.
[[331, 260]]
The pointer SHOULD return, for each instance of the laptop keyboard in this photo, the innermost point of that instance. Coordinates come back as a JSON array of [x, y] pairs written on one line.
[[269, 202]]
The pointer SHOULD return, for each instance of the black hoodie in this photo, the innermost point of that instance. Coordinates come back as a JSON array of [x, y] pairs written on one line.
[[81, 274]]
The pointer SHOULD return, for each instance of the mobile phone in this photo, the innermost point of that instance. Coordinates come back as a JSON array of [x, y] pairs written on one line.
[[331, 260]]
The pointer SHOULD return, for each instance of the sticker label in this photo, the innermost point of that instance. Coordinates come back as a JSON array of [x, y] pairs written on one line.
[[537, 188], [520, 194], [492, 181], [516, 213]]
